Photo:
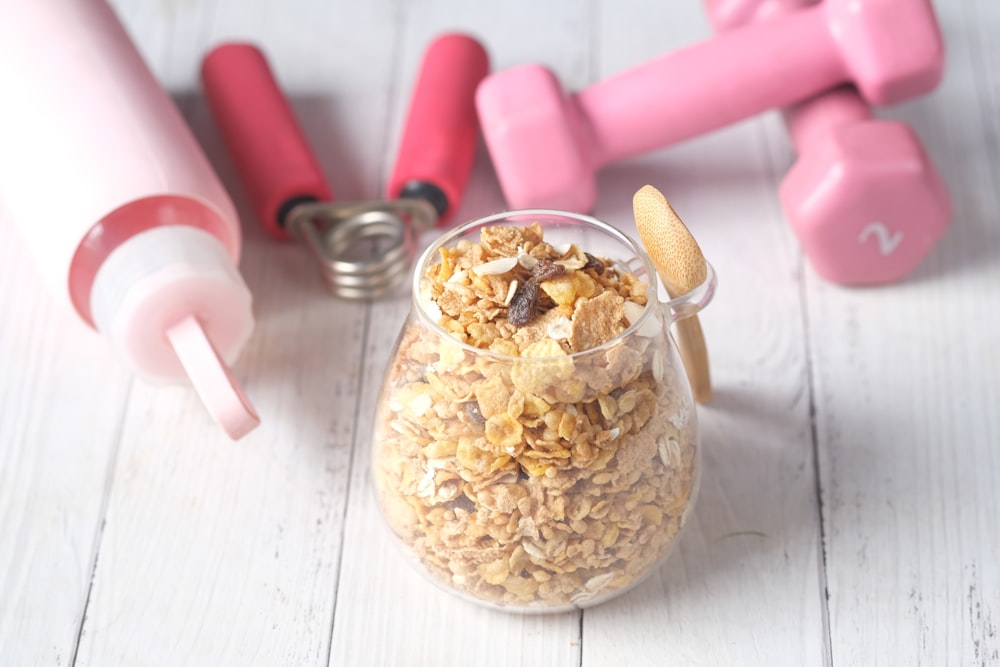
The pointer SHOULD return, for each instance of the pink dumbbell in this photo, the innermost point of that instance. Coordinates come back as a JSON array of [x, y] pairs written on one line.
[[546, 146], [863, 198]]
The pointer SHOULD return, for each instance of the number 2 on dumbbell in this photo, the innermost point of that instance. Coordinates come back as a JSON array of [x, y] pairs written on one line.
[[887, 242]]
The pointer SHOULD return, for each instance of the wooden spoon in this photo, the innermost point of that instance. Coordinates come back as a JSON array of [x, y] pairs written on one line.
[[682, 267]]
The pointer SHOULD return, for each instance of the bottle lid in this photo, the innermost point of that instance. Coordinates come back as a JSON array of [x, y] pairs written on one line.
[[172, 302]]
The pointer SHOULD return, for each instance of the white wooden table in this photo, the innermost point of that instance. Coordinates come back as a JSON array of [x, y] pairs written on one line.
[[850, 505]]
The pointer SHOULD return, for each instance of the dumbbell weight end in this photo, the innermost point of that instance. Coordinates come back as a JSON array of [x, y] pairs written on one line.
[[865, 200]]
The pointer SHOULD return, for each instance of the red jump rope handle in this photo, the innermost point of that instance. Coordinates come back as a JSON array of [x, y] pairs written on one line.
[[271, 153], [439, 140]]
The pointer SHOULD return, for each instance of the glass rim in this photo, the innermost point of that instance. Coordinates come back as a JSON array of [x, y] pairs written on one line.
[[692, 301]]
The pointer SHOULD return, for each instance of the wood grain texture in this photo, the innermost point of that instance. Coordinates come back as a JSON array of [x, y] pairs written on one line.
[[907, 384], [61, 404], [848, 510]]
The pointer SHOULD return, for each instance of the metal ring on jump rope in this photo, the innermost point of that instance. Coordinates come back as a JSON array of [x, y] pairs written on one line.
[[330, 230]]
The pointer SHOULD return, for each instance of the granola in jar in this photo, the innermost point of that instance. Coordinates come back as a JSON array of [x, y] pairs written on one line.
[[535, 443]]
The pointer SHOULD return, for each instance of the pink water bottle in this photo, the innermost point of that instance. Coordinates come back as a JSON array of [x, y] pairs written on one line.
[[117, 203]]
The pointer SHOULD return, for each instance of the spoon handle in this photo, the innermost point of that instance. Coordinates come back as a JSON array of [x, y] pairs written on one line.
[[694, 354]]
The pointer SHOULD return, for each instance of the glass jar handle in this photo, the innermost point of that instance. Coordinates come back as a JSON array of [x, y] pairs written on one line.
[[694, 301]]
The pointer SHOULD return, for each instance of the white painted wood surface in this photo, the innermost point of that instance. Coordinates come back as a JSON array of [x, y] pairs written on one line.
[[849, 506]]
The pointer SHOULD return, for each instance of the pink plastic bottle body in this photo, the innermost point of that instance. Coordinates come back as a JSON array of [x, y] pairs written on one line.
[[76, 88], [271, 153], [121, 210]]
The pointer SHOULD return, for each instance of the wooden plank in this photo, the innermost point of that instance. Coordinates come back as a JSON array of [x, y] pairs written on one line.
[[383, 605], [227, 553], [744, 585], [907, 387], [177, 546], [62, 396]]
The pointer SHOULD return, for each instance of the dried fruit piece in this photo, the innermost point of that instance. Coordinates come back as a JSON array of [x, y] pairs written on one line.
[[472, 409], [524, 304], [546, 269], [593, 263]]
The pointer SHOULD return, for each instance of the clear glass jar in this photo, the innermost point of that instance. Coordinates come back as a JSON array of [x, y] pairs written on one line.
[[538, 483]]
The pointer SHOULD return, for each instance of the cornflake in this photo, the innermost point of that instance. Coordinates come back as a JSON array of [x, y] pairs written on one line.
[[556, 467]]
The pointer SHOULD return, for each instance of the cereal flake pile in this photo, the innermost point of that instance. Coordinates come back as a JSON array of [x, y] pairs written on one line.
[[554, 468]]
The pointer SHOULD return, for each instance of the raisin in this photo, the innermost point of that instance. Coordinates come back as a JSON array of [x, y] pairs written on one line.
[[546, 269], [524, 303], [462, 502], [472, 409], [593, 263]]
